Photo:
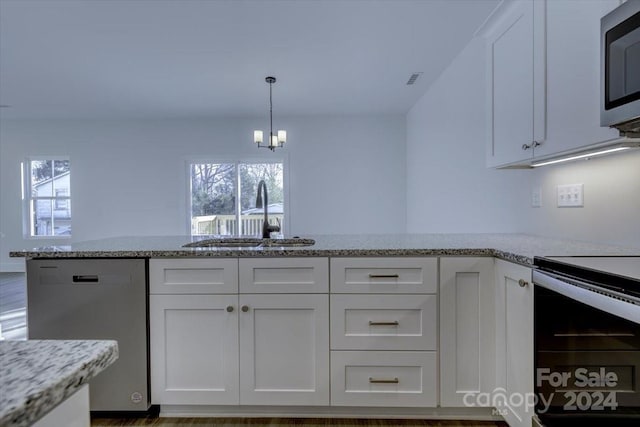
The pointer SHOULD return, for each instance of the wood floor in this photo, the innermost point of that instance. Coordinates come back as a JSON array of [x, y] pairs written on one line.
[[13, 306], [286, 422]]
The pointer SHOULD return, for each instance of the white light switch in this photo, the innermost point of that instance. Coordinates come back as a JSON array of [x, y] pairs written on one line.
[[570, 195]]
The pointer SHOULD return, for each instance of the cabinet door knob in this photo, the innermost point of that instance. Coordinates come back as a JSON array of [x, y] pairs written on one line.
[[522, 283], [533, 144], [230, 309], [245, 308]]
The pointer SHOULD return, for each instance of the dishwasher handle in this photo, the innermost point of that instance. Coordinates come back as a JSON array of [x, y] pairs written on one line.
[[85, 278]]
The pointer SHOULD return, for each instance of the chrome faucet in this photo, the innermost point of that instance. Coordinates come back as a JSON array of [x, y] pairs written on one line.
[[266, 227]]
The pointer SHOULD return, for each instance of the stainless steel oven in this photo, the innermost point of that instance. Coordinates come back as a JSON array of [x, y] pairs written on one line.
[[587, 340], [620, 69]]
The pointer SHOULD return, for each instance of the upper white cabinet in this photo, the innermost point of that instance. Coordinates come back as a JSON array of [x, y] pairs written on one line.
[[573, 75], [516, 82], [543, 79]]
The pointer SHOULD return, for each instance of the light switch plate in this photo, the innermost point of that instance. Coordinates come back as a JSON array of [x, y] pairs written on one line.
[[536, 197], [571, 195]]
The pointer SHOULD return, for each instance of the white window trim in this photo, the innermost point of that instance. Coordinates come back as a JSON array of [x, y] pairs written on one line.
[[26, 191], [283, 158]]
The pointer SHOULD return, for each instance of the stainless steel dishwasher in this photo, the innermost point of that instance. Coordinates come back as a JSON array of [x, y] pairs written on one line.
[[96, 299]]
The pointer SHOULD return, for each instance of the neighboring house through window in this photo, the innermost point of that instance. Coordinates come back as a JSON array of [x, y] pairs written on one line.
[[223, 196], [47, 197]]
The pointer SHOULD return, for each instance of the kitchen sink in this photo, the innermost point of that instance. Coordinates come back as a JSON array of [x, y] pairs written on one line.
[[249, 242]]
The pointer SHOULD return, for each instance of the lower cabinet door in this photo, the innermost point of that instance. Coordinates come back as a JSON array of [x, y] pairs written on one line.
[[194, 349], [514, 342], [384, 378], [284, 349]]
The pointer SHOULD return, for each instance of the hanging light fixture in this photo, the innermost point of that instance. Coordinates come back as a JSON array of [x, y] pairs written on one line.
[[275, 140]]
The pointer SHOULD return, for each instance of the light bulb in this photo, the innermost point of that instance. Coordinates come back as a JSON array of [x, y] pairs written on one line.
[[282, 136], [257, 136]]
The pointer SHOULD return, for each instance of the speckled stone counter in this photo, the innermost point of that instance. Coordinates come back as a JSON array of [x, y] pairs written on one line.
[[519, 248], [37, 375]]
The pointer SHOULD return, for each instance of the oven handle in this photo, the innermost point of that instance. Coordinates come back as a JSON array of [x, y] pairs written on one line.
[[579, 291]]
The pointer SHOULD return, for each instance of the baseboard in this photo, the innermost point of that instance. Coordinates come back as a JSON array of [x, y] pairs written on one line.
[[212, 411]]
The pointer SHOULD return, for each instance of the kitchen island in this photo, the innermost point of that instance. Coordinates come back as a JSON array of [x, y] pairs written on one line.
[[36, 376], [400, 326]]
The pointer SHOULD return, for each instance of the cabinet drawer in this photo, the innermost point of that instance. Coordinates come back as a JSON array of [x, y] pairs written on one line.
[[384, 275], [193, 276], [389, 378], [284, 275], [384, 322]]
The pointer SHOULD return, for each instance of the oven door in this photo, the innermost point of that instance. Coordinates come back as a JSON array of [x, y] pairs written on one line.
[[587, 361]]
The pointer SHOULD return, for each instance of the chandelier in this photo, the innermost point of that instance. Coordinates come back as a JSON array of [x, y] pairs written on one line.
[[275, 140]]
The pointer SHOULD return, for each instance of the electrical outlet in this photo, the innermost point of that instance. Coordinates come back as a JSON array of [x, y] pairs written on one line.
[[570, 195], [536, 197]]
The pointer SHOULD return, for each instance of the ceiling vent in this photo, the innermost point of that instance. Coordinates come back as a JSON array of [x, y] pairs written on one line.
[[413, 78]]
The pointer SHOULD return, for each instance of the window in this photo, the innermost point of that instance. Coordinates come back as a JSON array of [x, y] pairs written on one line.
[[48, 197], [223, 197]]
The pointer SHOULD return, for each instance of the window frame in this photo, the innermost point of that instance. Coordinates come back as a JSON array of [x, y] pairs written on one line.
[[237, 161], [28, 199]]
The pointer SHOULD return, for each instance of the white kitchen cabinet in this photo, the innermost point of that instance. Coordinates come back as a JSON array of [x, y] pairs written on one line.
[[193, 276], [516, 82], [514, 341], [229, 349], [284, 349], [384, 322], [573, 75], [284, 275], [384, 319], [384, 378], [398, 275], [194, 349], [467, 328]]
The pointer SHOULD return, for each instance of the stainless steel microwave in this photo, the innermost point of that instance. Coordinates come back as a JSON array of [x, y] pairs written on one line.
[[620, 69]]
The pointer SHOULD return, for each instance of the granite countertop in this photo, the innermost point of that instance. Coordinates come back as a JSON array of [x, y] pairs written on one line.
[[38, 375], [519, 248]]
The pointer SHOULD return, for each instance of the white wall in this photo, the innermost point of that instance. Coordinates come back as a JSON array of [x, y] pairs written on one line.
[[129, 177], [449, 189], [611, 212]]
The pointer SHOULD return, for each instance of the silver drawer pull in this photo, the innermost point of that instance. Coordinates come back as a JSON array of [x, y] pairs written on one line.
[[384, 276], [394, 323], [383, 381]]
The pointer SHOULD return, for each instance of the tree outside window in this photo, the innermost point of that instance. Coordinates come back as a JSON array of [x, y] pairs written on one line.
[[223, 197]]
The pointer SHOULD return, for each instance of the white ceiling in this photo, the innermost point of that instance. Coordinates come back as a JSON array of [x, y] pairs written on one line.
[[203, 58]]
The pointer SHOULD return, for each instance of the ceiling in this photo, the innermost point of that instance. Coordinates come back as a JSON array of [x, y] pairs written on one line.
[[115, 59]]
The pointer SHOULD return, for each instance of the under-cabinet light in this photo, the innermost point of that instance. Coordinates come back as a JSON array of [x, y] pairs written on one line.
[[580, 156]]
